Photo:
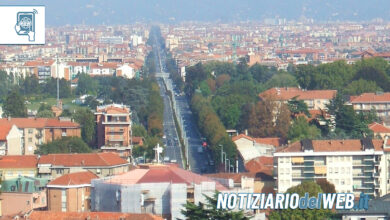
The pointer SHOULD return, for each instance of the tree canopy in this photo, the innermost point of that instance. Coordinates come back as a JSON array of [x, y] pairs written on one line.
[[64, 145]]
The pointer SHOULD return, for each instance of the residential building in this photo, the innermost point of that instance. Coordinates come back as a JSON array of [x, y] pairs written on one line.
[[353, 166], [379, 130], [70, 192], [39, 215], [10, 140], [14, 166], [36, 131], [380, 102], [22, 195], [155, 189], [315, 99], [103, 164], [114, 129]]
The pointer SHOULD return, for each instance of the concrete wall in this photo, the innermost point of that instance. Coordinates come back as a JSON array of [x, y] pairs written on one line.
[[14, 144]]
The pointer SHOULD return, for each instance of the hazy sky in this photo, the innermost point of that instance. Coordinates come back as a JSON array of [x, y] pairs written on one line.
[[60, 12]]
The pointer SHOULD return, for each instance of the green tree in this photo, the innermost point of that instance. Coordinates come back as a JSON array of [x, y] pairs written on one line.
[[360, 86], [282, 79], [14, 105], [298, 106], [45, 114], [86, 119], [301, 214], [86, 85], [64, 145], [139, 130], [209, 211], [326, 186], [301, 129]]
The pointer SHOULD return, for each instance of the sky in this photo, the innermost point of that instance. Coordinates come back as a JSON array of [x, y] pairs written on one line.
[[62, 12]]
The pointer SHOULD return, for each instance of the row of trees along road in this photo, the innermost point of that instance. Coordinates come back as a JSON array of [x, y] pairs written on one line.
[[230, 91]]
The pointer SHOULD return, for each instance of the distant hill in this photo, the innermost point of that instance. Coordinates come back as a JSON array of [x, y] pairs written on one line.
[[60, 12]]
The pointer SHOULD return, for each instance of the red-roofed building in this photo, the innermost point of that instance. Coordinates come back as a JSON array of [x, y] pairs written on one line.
[[36, 131], [159, 189], [10, 140], [102, 164], [14, 166], [114, 129], [315, 99], [379, 130], [369, 101], [52, 215], [70, 192]]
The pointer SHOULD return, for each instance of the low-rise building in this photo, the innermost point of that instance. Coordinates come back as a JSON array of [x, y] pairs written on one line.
[[315, 99], [155, 189], [10, 140], [102, 164], [70, 192], [380, 102], [14, 166], [22, 195], [36, 131], [353, 166]]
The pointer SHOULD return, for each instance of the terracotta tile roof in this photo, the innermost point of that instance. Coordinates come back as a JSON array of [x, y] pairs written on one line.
[[20, 161], [4, 130], [333, 145], [113, 110], [260, 164], [52, 122], [275, 141], [53, 215], [370, 98], [38, 122], [159, 173], [138, 141], [83, 160], [378, 128], [71, 179], [289, 93]]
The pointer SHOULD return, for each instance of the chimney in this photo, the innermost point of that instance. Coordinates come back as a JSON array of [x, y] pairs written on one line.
[[9, 118], [246, 132]]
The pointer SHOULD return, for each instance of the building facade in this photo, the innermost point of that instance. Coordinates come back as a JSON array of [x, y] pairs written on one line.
[[114, 129], [369, 101], [353, 166], [70, 192]]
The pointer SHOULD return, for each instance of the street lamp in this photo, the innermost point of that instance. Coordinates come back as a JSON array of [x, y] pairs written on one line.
[[226, 163]]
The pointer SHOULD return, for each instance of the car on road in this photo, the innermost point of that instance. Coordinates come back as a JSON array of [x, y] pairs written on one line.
[[173, 161], [166, 159]]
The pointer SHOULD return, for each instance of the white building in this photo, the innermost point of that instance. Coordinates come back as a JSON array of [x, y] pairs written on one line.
[[351, 165]]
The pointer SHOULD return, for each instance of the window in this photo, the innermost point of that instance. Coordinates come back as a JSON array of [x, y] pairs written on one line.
[[342, 182], [63, 200], [330, 170], [336, 170], [59, 171], [30, 131], [63, 132], [29, 140], [342, 170]]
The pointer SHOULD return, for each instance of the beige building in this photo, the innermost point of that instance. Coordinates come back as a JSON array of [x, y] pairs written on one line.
[[10, 140], [369, 101], [14, 166], [102, 164], [315, 99]]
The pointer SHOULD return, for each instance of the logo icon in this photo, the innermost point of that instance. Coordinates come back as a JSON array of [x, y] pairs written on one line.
[[25, 24]]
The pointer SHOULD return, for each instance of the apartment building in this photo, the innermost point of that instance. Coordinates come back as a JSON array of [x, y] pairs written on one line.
[[114, 129], [315, 99], [70, 192], [351, 165], [369, 101], [21, 165], [10, 140], [103, 164], [36, 131]]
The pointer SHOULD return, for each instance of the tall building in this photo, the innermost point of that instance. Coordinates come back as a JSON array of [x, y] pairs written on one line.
[[351, 165], [114, 129]]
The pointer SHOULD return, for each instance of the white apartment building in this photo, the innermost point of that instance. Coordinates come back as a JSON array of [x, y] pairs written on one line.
[[351, 165]]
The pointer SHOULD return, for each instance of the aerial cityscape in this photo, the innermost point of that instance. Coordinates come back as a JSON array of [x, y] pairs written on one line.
[[160, 112]]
